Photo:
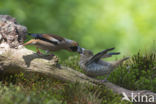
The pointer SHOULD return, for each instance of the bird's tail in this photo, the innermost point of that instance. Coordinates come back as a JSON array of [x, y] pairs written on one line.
[[117, 63]]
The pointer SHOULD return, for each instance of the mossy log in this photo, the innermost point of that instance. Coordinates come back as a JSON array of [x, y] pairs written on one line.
[[15, 58]]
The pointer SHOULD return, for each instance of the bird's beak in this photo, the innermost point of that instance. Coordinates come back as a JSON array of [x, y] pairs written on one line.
[[79, 50]]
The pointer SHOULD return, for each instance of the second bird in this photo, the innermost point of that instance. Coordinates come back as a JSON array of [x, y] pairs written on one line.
[[94, 66], [52, 43]]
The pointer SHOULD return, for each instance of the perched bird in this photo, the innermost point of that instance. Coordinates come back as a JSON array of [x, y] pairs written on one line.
[[94, 66], [52, 43]]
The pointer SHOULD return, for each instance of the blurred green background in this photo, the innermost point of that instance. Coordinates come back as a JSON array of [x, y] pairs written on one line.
[[128, 25]]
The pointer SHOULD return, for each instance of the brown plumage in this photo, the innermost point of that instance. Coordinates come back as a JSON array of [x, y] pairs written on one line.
[[53, 43]]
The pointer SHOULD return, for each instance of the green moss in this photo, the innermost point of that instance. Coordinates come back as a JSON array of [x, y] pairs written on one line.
[[138, 73], [34, 88]]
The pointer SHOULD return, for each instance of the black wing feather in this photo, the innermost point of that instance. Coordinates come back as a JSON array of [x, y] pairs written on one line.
[[97, 57], [41, 37]]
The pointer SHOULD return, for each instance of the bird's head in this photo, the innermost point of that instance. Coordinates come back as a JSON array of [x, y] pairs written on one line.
[[73, 46], [87, 53]]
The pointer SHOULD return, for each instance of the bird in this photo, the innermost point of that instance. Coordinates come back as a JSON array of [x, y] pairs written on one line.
[[93, 66], [50, 42]]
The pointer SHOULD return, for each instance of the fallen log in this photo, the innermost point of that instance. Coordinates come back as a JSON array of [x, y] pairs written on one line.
[[15, 58]]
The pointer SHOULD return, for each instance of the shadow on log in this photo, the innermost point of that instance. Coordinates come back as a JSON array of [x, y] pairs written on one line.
[[15, 58], [31, 57]]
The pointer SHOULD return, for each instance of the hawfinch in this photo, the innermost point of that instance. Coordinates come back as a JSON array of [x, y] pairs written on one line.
[[94, 66], [50, 42]]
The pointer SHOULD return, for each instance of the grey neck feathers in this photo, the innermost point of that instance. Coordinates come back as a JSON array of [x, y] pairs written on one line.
[[68, 42]]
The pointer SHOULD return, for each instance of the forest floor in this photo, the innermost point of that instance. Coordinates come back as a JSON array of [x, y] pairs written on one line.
[[139, 73]]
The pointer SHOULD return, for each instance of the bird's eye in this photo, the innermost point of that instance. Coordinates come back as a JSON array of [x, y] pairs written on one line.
[[74, 48]]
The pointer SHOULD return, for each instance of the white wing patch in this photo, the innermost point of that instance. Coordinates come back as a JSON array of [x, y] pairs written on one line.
[[55, 40]]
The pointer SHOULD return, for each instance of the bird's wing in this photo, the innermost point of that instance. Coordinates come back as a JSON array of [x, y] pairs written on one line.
[[99, 55], [54, 39], [110, 54]]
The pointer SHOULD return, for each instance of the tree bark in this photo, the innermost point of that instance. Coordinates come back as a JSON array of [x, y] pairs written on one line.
[[15, 58]]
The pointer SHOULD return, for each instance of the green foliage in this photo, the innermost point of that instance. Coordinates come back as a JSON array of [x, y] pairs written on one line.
[[87, 94], [24, 88], [138, 73], [79, 94], [18, 95], [126, 24], [27, 89]]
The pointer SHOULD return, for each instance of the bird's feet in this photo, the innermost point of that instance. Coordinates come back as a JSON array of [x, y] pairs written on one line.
[[49, 54], [52, 55], [41, 54], [38, 52]]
